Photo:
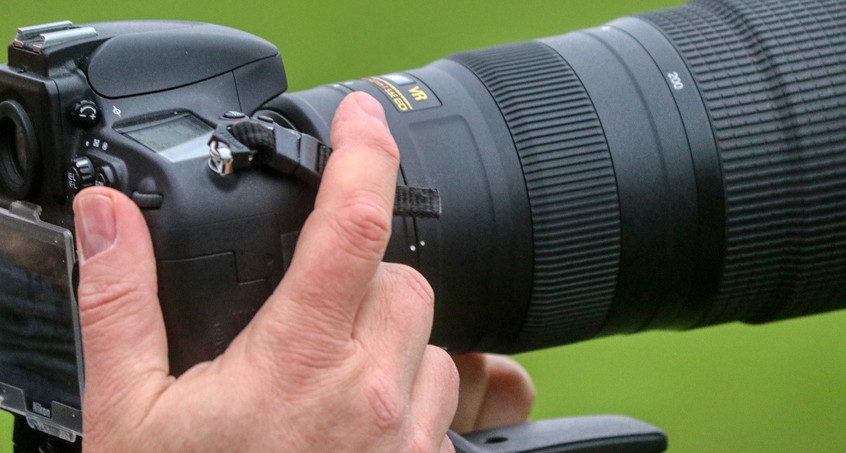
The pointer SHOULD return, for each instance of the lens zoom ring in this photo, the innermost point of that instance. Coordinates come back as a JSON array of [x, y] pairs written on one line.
[[773, 76], [571, 186]]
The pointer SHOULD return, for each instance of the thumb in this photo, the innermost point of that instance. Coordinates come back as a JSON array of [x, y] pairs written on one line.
[[123, 333]]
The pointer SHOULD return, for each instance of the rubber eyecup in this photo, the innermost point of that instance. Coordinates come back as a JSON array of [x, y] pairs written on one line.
[[19, 157]]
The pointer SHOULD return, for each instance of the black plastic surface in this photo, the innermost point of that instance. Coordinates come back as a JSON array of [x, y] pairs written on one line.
[[590, 434], [199, 327], [710, 195], [773, 75], [165, 59]]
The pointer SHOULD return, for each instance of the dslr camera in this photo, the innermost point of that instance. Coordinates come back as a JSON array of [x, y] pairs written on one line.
[[672, 170]]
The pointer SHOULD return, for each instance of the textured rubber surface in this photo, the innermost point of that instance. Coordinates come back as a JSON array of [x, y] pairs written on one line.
[[571, 186], [773, 77]]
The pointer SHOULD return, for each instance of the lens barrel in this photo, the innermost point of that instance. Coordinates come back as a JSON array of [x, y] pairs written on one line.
[[730, 175], [773, 77], [672, 170]]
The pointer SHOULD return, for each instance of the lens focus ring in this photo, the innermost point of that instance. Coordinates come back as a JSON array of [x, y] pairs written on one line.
[[571, 185]]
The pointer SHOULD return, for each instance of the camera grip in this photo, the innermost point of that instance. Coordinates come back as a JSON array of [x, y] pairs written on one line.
[[591, 434]]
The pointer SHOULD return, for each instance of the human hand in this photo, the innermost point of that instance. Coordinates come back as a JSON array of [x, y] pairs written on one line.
[[494, 391], [336, 359]]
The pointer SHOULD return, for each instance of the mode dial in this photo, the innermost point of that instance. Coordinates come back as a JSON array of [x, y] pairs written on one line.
[[80, 175]]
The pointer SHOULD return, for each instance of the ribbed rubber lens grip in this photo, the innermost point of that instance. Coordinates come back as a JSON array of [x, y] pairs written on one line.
[[571, 186], [773, 78]]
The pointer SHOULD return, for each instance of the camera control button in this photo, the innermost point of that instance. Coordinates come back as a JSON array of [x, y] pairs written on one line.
[[233, 115], [85, 114], [105, 177], [147, 200], [80, 175]]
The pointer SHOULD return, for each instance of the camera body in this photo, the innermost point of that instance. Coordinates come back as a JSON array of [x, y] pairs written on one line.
[[132, 105]]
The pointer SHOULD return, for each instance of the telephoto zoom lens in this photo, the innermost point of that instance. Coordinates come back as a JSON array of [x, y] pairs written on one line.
[[672, 170]]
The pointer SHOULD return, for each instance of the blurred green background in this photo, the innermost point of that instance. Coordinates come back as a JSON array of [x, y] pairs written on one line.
[[774, 388]]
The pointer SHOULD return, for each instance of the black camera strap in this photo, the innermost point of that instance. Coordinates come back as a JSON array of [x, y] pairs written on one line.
[[251, 143]]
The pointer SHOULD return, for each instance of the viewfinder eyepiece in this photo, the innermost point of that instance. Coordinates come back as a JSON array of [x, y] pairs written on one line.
[[18, 151]]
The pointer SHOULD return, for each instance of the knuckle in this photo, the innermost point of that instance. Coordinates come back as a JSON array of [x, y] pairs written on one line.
[[363, 226], [444, 367], [385, 405], [443, 371], [427, 441], [421, 444], [424, 439]]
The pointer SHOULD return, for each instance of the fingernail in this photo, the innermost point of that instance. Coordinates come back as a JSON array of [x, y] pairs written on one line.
[[372, 107], [95, 224]]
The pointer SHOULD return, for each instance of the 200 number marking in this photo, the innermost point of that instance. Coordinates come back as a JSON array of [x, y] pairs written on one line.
[[675, 80]]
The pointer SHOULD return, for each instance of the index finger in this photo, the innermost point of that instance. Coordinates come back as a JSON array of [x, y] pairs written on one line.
[[344, 239]]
